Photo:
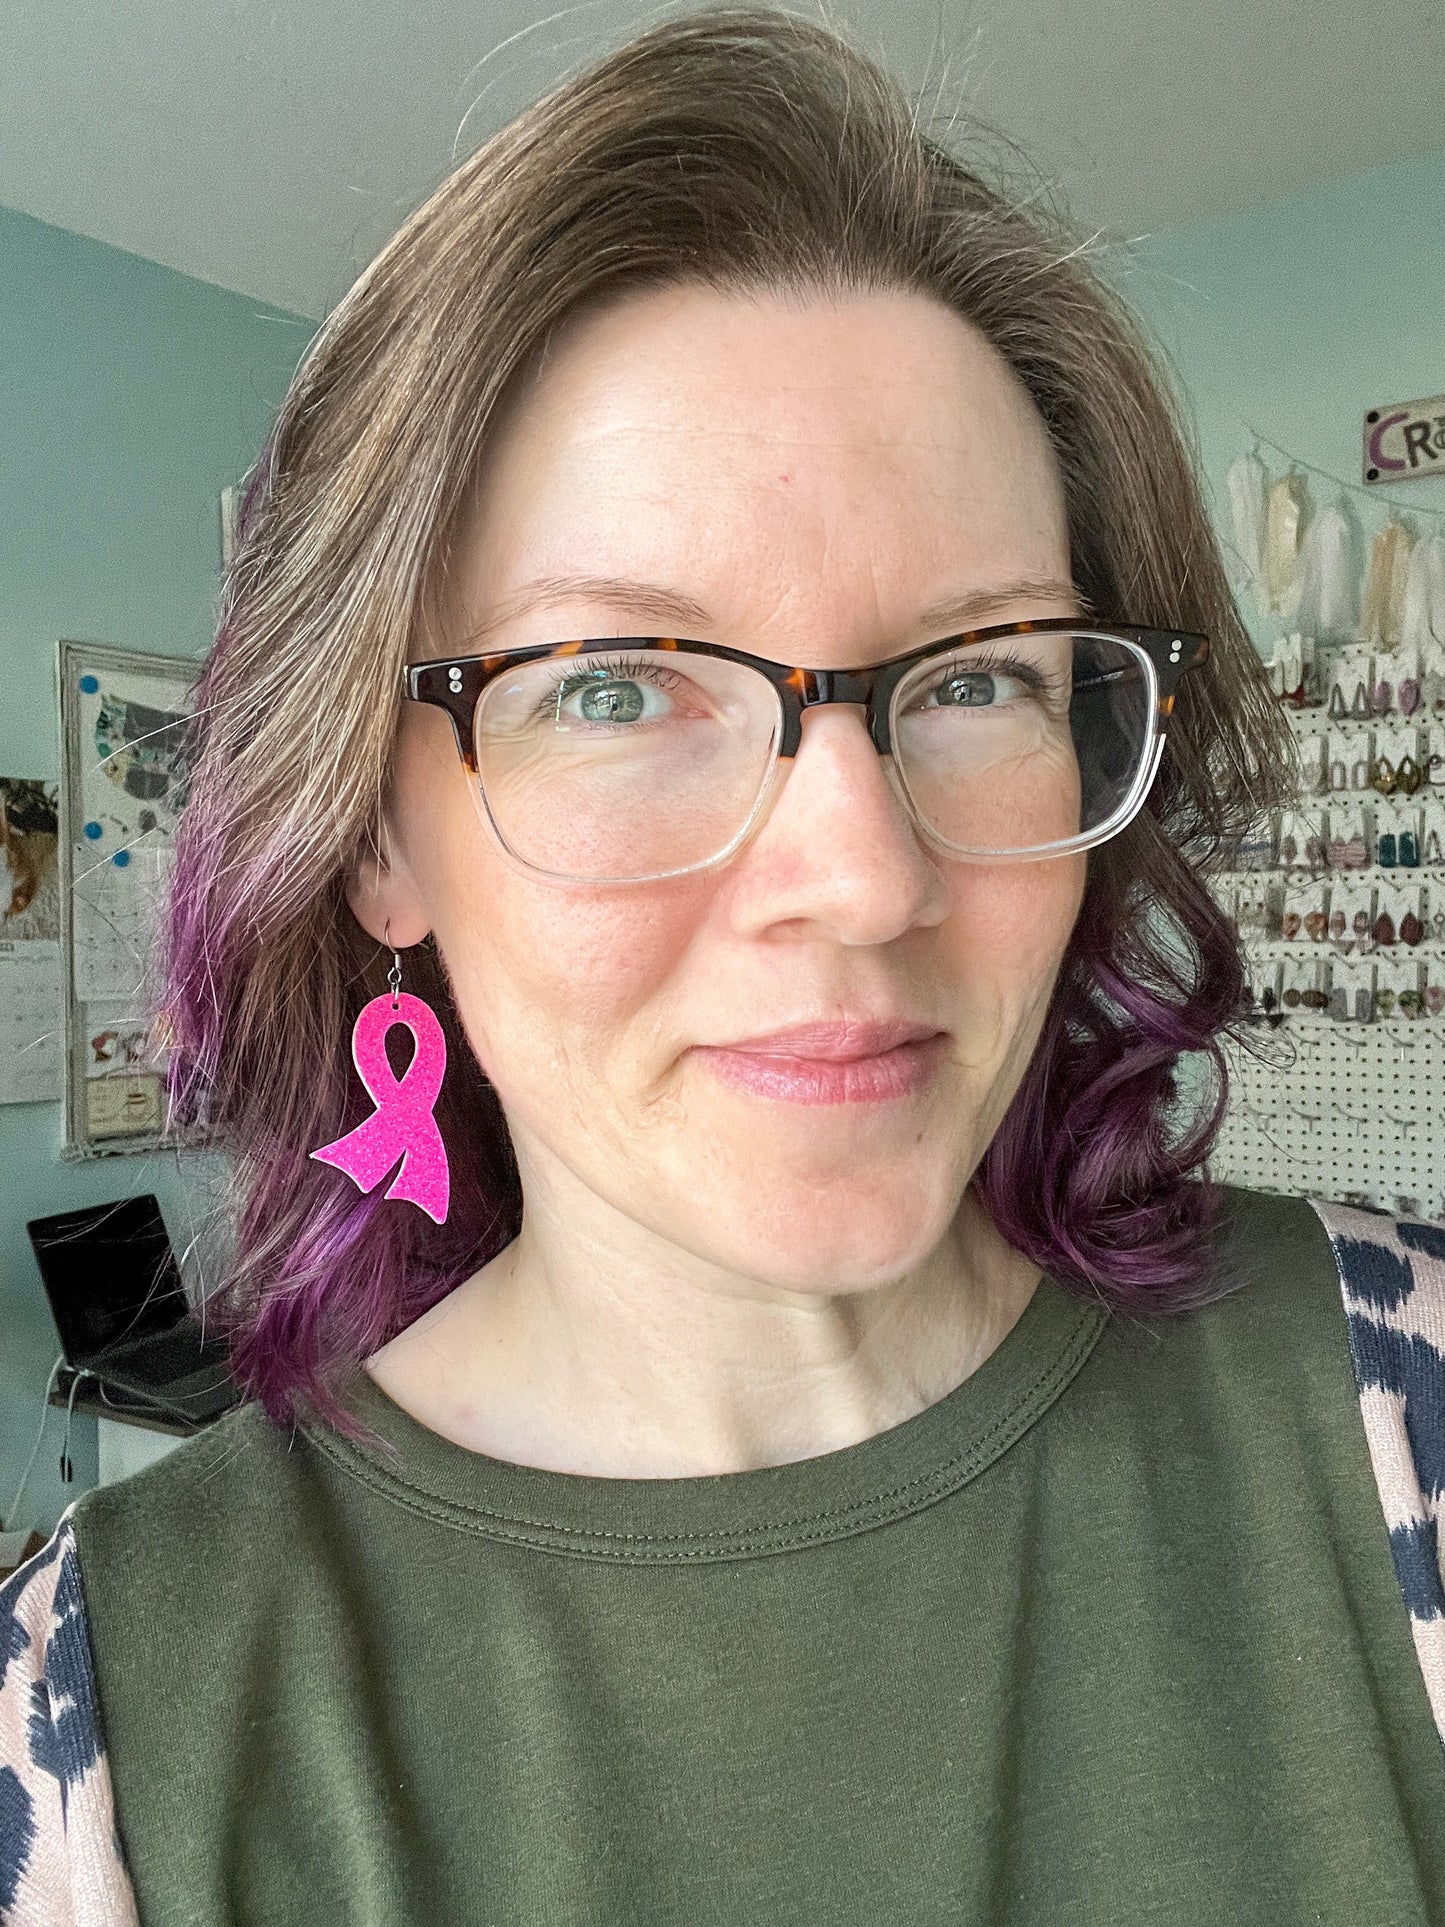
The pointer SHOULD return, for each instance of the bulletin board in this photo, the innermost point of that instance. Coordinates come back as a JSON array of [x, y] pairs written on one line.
[[124, 717]]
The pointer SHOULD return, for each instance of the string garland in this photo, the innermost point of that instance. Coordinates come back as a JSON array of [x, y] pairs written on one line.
[[1355, 488]]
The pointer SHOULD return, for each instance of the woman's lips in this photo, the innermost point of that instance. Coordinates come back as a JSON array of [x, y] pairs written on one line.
[[861, 1063]]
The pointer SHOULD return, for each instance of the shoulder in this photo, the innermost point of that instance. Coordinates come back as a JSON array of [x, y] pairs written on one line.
[[1274, 1242], [203, 1546], [60, 1863], [1322, 1316], [1392, 1280], [199, 1499], [1366, 1287], [214, 1522], [1263, 1334], [1273, 1287], [1392, 1275]]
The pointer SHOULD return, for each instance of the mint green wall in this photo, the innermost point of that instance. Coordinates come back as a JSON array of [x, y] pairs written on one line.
[[129, 397], [1296, 317]]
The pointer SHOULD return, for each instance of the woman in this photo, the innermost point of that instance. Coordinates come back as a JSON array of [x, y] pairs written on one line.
[[776, 1427]]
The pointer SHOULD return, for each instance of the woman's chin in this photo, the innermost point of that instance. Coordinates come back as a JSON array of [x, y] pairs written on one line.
[[829, 1239]]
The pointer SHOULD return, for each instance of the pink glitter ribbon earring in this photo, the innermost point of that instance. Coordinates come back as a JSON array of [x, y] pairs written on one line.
[[402, 1125]]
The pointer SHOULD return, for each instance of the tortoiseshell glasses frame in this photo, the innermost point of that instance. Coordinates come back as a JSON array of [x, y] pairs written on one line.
[[456, 684]]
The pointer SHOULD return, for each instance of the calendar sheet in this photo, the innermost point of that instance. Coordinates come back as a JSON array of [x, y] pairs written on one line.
[[31, 1011]]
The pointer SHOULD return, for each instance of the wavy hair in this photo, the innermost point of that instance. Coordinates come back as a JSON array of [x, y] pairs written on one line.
[[738, 148]]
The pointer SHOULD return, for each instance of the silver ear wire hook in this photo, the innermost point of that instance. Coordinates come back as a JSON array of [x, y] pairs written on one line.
[[393, 976]]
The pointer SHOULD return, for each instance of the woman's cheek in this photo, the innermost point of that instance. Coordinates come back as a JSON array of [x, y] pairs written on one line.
[[550, 979], [1013, 921]]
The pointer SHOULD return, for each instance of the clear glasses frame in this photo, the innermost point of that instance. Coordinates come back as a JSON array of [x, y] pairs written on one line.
[[456, 684]]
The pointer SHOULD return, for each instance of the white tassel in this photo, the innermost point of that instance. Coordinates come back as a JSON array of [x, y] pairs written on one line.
[[1246, 483], [1385, 590], [1423, 619], [1284, 513], [1327, 579]]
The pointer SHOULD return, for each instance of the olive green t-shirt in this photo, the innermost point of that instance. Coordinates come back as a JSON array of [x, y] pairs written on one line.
[[1110, 1635]]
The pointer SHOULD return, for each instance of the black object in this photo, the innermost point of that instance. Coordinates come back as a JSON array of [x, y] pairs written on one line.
[[121, 1310]]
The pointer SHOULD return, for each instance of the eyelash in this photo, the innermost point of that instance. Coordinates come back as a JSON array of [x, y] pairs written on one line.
[[994, 664]]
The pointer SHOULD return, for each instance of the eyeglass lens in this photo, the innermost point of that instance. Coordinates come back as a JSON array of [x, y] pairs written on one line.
[[649, 762]]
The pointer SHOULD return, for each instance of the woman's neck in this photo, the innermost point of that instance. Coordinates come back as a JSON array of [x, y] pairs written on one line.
[[591, 1346]]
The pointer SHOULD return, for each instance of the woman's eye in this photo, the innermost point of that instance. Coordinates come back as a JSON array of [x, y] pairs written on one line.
[[610, 701], [976, 689]]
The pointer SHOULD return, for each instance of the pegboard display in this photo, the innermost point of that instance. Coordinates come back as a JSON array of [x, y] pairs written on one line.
[[1340, 907], [1350, 1113]]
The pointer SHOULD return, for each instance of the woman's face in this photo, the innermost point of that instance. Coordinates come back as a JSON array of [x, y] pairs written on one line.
[[828, 481]]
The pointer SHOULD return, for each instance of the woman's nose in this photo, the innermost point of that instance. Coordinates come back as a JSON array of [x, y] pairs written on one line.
[[838, 852]]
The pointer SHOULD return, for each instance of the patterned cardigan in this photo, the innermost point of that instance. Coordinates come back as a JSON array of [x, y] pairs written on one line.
[[61, 1862]]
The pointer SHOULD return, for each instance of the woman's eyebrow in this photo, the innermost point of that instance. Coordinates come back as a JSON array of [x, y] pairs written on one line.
[[974, 606], [676, 613]]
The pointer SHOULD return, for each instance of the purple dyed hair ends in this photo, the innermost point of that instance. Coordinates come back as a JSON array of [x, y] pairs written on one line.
[[741, 148]]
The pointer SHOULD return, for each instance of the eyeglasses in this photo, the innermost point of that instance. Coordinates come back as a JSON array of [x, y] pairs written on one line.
[[626, 759]]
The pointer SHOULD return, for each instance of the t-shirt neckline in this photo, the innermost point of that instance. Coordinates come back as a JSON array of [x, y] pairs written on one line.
[[732, 1515]]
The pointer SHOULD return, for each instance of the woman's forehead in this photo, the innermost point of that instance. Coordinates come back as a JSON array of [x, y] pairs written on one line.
[[684, 428], [887, 371]]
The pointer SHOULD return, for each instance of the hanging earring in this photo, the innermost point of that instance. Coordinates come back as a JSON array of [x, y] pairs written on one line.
[[1408, 774], [1360, 704], [402, 1125], [1382, 776], [1409, 850], [1432, 853], [1337, 711], [1409, 696]]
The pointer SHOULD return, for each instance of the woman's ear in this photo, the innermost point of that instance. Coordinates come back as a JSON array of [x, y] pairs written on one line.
[[382, 895]]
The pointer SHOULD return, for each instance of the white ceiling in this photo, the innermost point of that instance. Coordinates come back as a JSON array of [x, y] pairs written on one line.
[[270, 148]]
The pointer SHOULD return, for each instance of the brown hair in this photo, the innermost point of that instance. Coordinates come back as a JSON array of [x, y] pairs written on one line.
[[741, 147]]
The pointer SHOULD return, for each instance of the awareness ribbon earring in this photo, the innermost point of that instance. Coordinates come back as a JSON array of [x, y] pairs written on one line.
[[402, 1125]]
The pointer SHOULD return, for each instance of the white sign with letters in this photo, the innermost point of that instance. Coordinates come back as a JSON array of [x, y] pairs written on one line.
[[1405, 439]]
